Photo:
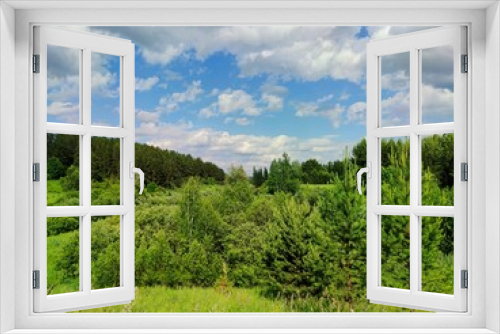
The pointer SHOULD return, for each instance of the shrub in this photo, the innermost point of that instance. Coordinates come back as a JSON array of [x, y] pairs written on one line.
[[72, 179], [55, 169]]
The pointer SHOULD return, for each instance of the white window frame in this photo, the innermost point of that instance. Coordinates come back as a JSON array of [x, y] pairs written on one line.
[[483, 311], [413, 44], [85, 43]]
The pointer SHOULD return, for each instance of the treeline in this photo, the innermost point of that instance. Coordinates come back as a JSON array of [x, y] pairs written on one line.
[[437, 156], [161, 167], [304, 244]]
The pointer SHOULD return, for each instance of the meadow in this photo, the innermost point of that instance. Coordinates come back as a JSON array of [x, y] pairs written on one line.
[[291, 238]]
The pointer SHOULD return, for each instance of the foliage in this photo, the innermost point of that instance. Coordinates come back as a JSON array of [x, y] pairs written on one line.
[[72, 179], [55, 169], [279, 245], [284, 176], [344, 213], [58, 225]]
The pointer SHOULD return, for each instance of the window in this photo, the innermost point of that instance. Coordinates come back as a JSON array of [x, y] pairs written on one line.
[[68, 128], [207, 256], [400, 228], [474, 318]]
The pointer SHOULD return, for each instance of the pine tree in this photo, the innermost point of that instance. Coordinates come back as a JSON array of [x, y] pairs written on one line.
[[344, 212]]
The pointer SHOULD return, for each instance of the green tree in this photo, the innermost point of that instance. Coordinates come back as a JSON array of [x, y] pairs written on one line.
[[344, 212], [55, 169], [72, 179], [284, 176], [294, 257]]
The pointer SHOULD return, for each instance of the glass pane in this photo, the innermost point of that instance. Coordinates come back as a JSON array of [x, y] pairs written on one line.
[[437, 254], [105, 171], [395, 171], [63, 84], [395, 89], [437, 84], [63, 172], [105, 90], [437, 169], [396, 251], [63, 255], [105, 252]]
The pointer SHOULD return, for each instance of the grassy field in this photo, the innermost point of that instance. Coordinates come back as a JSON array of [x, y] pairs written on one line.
[[162, 299], [187, 298]]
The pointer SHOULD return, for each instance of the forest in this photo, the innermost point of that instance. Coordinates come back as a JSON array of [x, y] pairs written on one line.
[[291, 237]]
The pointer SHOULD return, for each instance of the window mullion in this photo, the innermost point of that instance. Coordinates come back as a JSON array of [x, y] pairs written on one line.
[[414, 168], [85, 162]]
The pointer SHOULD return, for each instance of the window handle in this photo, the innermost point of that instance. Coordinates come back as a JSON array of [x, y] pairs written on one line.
[[368, 171], [134, 170]]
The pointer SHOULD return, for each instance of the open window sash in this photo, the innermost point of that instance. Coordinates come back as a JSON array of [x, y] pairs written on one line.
[[83, 43], [414, 43]]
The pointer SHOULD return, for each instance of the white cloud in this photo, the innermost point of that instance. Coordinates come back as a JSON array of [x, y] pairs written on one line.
[[237, 100], [273, 89], [437, 103], [241, 121], [147, 116], [302, 52], [171, 103], [437, 106], [318, 109], [356, 113], [307, 53], [66, 111], [344, 96], [227, 149], [274, 102], [209, 112], [144, 84]]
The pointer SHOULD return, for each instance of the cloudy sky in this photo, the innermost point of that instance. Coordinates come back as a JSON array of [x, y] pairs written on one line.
[[244, 95]]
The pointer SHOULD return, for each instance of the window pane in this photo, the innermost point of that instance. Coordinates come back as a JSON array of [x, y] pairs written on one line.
[[105, 171], [437, 84], [63, 84], [105, 90], [63, 172], [105, 252], [437, 254], [395, 171], [437, 169], [396, 251], [63, 255], [395, 89]]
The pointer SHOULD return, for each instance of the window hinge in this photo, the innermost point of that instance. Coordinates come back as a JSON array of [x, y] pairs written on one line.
[[36, 172], [465, 279], [465, 64], [36, 63], [464, 171], [36, 279]]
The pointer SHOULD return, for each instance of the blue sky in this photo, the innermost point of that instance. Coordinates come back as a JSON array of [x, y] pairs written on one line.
[[245, 95]]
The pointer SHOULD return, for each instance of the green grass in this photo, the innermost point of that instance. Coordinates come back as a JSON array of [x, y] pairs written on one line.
[[316, 186], [162, 299], [57, 282], [57, 196]]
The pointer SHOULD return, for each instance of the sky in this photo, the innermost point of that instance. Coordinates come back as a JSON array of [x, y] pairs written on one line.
[[244, 95]]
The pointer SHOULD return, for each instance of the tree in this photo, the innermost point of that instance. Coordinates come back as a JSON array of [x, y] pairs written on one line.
[[55, 169], [314, 173], [284, 176], [359, 153], [294, 256], [344, 212], [258, 178]]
